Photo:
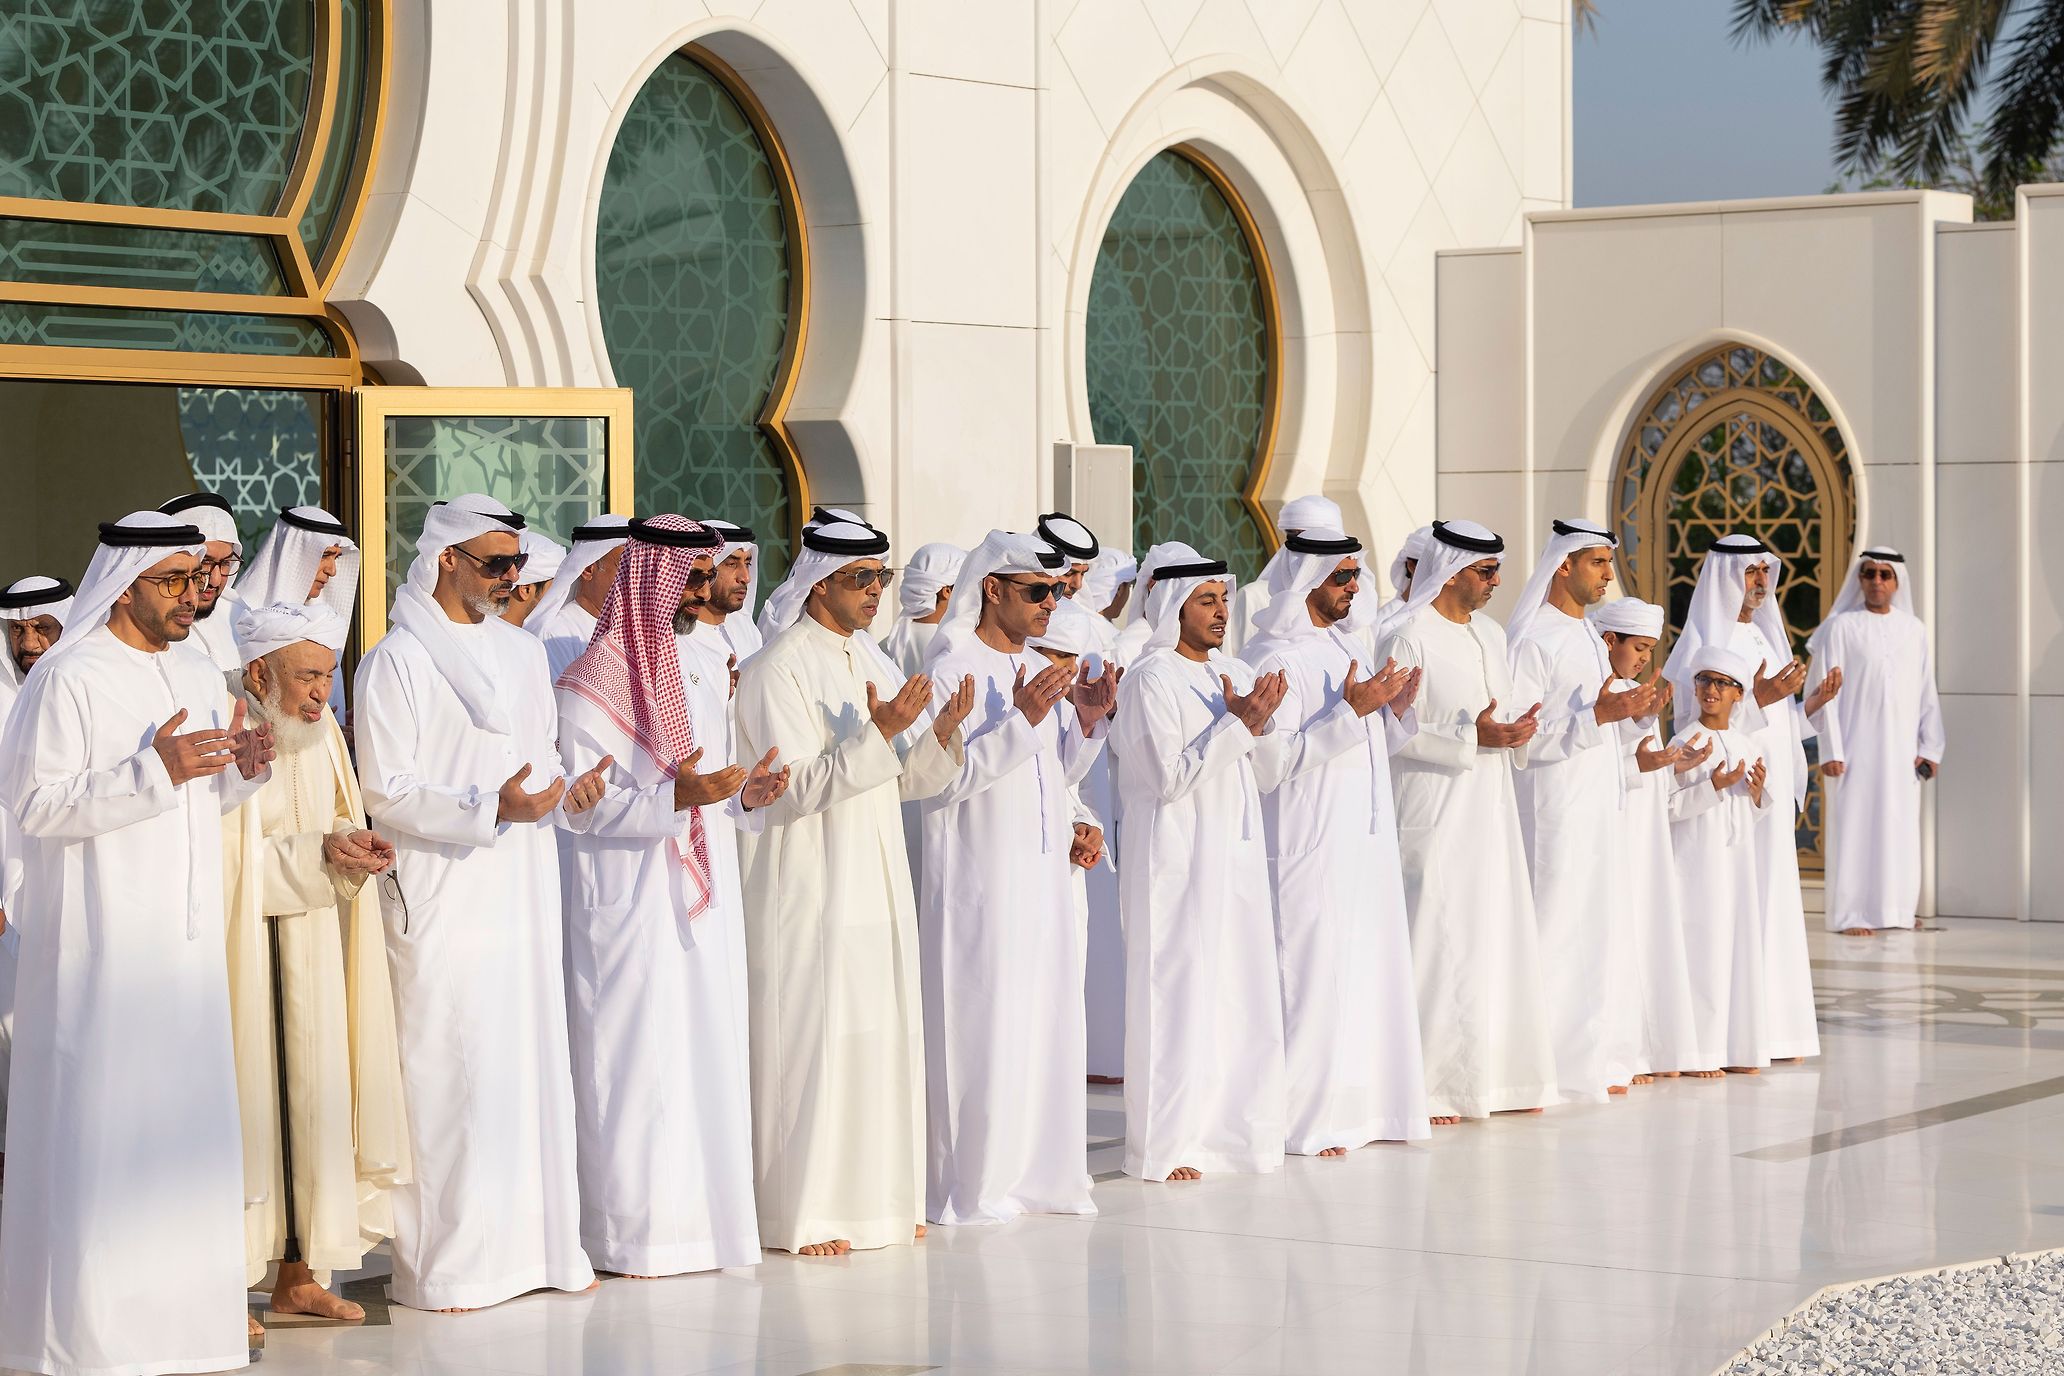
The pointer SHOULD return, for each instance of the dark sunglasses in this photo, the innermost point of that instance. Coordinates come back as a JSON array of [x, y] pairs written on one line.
[[1714, 681], [1036, 592], [860, 580], [700, 578], [1342, 577], [495, 565], [1877, 575]]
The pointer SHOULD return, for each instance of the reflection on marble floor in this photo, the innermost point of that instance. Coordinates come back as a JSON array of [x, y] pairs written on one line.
[[1654, 1235]]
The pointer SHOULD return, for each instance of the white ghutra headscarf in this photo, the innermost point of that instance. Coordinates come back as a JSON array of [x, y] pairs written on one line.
[[1567, 538], [285, 566], [416, 610]]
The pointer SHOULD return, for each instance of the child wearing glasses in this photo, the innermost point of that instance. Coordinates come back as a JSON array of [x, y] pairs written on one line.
[[1713, 809]]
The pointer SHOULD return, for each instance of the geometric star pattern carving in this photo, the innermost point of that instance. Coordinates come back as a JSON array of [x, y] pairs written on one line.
[[260, 449], [691, 273], [1176, 347]]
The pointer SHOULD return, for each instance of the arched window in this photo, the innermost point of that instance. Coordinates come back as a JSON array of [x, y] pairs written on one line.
[[699, 267], [1181, 349], [1737, 441]]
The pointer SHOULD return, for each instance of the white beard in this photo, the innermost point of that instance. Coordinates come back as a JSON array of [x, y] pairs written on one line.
[[290, 734]]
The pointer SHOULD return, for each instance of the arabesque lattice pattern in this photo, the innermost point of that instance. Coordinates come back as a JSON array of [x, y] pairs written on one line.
[[1177, 349], [692, 275], [261, 449]]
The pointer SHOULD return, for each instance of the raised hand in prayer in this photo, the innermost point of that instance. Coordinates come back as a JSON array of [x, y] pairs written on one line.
[[954, 710], [731, 666], [1695, 752], [1408, 694], [1506, 735], [1725, 778], [1757, 775], [1376, 692], [1785, 683], [1260, 702], [1088, 847], [893, 718], [587, 790], [515, 805], [765, 783], [1824, 692], [254, 747], [1638, 701], [1094, 698], [698, 790], [1660, 758], [1035, 697], [196, 754], [358, 852], [1664, 694]]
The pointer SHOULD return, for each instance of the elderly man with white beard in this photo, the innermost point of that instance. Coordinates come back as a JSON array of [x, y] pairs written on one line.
[[1000, 942], [1881, 739], [311, 1004], [1203, 1002], [1475, 949], [121, 1249], [1350, 1014], [655, 923], [456, 721], [1570, 795], [1734, 606]]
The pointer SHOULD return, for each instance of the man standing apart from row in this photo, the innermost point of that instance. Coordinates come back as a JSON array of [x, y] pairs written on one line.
[[831, 922], [1001, 941], [1881, 738], [456, 740]]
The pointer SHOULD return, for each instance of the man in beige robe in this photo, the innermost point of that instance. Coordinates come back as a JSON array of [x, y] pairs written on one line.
[[298, 862]]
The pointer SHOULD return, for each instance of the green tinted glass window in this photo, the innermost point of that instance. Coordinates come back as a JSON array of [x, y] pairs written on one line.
[[97, 327], [692, 276], [146, 259], [259, 448], [326, 199], [1177, 346]]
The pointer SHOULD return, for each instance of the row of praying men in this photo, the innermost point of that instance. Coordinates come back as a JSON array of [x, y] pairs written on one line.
[[662, 934]]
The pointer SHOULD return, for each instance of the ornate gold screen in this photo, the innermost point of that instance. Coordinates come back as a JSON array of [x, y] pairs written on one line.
[[1737, 441]]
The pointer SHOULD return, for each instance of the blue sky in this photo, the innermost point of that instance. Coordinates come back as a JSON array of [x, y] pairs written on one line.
[[1669, 108]]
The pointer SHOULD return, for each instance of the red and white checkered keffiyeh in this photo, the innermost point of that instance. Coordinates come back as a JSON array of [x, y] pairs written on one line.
[[631, 673]]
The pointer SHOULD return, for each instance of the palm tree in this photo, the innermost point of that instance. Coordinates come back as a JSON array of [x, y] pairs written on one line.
[[1584, 14], [1906, 75]]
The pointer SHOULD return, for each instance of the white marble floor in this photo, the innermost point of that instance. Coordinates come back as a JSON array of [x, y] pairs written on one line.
[[1654, 1235]]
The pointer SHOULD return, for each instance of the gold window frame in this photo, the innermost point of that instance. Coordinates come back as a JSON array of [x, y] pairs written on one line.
[[375, 406]]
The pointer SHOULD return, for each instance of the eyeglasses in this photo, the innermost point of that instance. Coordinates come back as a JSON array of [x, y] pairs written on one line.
[[495, 565], [1035, 592], [1342, 577], [1877, 575], [174, 584], [220, 568], [700, 578], [390, 885], [1714, 682], [860, 580]]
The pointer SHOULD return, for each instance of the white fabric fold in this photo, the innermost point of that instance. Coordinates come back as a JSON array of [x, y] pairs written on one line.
[[580, 556], [934, 567], [262, 630], [286, 565]]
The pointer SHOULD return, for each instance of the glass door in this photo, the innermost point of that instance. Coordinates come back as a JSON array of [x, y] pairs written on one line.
[[558, 456]]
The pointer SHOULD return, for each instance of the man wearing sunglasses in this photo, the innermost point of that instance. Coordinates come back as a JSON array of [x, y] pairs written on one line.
[[831, 923], [218, 606], [123, 1245], [457, 732], [1002, 946], [1880, 739]]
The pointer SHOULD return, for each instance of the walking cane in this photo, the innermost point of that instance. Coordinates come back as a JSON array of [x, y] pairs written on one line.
[[292, 1251]]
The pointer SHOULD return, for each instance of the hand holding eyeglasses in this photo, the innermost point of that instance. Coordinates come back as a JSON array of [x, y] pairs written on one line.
[[516, 805]]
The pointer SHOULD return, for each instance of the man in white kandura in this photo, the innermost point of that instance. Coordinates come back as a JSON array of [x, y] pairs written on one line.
[[820, 516], [123, 1244], [1001, 941], [1570, 796], [831, 923], [1475, 951], [305, 941], [1880, 739], [309, 556], [1133, 636], [1311, 512], [1402, 566], [457, 755], [565, 615], [1647, 863], [33, 611], [1203, 1002], [214, 632], [1735, 606], [655, 925], [542, 557], [1350, 1014], [922, 588], [733, 595]]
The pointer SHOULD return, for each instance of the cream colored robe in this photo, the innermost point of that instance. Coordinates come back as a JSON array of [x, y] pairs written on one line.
[[343, 1064]]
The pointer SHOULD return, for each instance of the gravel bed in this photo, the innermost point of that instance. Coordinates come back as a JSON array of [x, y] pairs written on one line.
[[1996, 1317]]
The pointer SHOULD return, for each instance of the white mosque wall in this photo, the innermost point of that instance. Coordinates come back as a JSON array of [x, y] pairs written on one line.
[[957, 164]]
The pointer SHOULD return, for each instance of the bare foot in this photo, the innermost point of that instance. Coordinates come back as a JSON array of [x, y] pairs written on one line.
[[1786, 1060], [1334, 1151], [1705, 1074], [1742, 1069], [825, 1249], [1617, 1089], [310, 1298], [257, 1335], [1859, 931], [591, 1287], [1504, 1112], [1666, 1075], [918, 1236], [1644, 1079], [1186, 1173], [1445, 1120]]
